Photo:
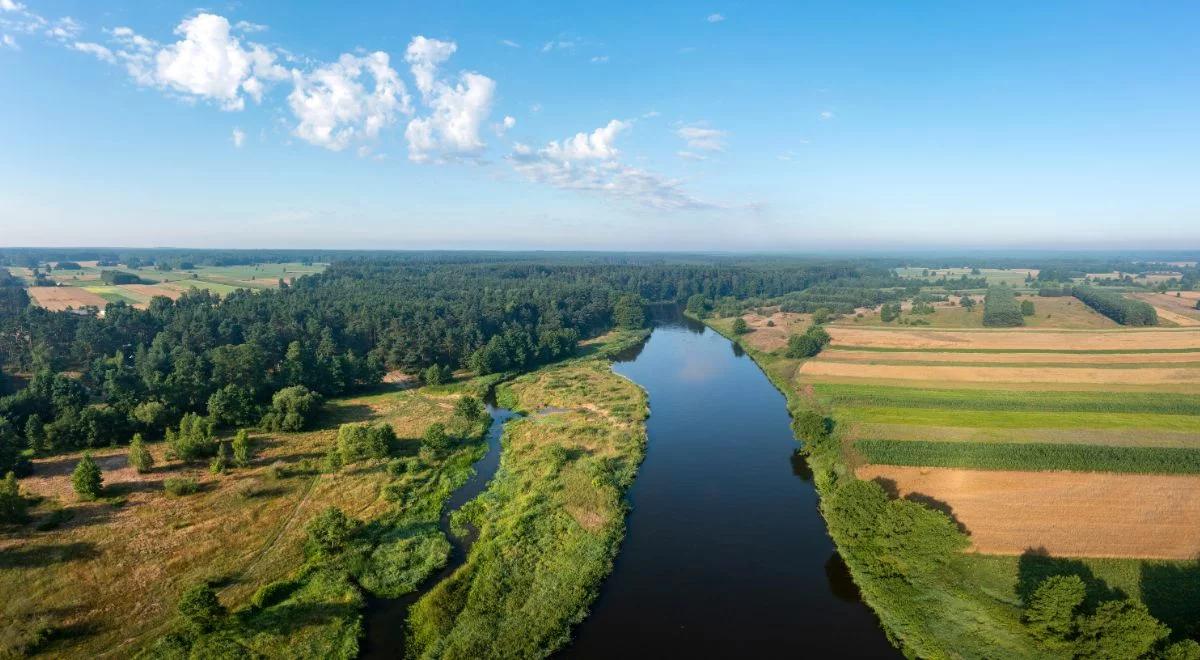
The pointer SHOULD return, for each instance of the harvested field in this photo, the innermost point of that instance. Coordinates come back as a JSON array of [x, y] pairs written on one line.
[[58, 298], [1016, 340], [1180, 311], [774, 338], [148, 291], [1001, 374], [1116, 437], [1065, 513], [897, 357]]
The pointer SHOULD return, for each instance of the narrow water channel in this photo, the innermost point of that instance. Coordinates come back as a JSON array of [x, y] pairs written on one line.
[[386, 620], [726, 554]]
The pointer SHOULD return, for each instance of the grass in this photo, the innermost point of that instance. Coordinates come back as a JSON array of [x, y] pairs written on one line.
[[1008, 400], [998, 419], [77, 585], [1032, 456], [550, 522]]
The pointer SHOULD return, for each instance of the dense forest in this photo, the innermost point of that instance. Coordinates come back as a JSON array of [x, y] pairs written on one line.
[[95, 380]]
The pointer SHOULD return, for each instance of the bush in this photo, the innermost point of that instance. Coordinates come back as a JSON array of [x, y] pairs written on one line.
[[808, 344], [330, 533], [12, 506], [270, 594], [292, 409], [181, 486], [434, 438], [243, 449], [469, 409], [194, 439], [233, 405], [740, 327], [359, 442], [139, 457], [87, 479], [200, 609], [1027, 308]]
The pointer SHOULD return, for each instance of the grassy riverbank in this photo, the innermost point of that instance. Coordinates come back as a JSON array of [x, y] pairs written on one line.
[[551, 521]]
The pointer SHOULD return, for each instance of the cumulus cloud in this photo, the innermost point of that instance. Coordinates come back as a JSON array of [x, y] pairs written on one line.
[[64, 29], [8, 42], [826, 115], [457, 109], [335, 108], [589, 162], [247, 26], [701, 137], [100, 52], [715, 18]]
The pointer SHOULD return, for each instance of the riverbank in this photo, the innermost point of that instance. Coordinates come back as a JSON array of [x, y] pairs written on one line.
[[551, 521]]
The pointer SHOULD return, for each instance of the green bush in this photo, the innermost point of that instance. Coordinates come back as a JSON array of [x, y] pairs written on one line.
[[194, 440], [808, 344], [359, 442], [200, 609], [1117, 307], [740, 327], [180, 486], [292, 409], [87, 479], [330, 532], [139, 457], [12, 506], [272, 593]]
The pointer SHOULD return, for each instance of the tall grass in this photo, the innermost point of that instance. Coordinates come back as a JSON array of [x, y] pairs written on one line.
[[1032, 456], [1169, 403]]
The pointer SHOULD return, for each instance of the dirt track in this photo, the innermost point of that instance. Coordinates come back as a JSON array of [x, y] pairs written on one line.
[[1066, 513]]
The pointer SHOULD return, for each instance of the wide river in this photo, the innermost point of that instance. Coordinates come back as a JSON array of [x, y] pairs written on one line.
[[726, 554]]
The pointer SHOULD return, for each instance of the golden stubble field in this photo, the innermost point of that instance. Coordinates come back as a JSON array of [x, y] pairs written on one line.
[[1064, 513], [1016, 340], [58, 298]]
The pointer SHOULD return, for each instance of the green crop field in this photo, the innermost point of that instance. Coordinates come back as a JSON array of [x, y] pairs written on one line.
[[1008, 400], [1032, 456], [1019, 420]]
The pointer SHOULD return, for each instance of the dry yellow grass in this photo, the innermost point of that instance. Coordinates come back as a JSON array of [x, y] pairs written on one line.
[[1178, 310], [772, 338], [110, 565], [1065, 340], [151, 290], [58, 298], [1066, 513], [1009, 358], [1001, 374]]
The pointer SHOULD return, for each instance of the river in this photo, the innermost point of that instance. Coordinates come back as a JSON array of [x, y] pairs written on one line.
[[726, 554]]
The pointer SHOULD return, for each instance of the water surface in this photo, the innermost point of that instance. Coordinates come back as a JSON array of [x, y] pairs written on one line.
[[726, 554]]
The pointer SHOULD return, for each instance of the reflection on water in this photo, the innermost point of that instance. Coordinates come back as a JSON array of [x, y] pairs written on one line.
[[726, 554], [841, 584]]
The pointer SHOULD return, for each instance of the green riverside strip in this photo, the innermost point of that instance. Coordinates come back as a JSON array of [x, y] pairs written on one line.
[[1032, 456], [1010, 400]]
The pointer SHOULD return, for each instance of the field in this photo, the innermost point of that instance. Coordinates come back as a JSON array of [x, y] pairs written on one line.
[[128, 556], [1014, 276], [1179, 310], [771, 337], [84, 287], [1067, 514], [1069, 446]]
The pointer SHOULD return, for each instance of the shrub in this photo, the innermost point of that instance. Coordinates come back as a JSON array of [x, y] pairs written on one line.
[[194, 439], [358, 442], [180, 486], [12, 506], [270, 594], [1027, 308], [233, 405], [139, 457], [243, 449], [152, 415], [292, 409], [434, 438], [220, 462], [330, 532], [469, 408], [740, 327], [808, 344], [87, 479], [200, 609]]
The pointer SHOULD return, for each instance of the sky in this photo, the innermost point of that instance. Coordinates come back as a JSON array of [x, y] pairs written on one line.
[[774, 126]]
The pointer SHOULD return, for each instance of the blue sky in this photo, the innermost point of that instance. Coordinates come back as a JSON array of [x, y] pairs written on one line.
[[731, 125]]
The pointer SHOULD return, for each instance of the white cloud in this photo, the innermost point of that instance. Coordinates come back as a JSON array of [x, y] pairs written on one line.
[[509, 121], [535, 108], [11, 5], [248, 27], [335, 108], [504, 126], [456, 111], [651, 114], [64, 29], [210, 63], [588, 162], [100, 52], [559, 44], [8, 42], [600, 59], [827, 115], [700, 136], [510, 43], [239, 138], [688, 155], [715, 18]]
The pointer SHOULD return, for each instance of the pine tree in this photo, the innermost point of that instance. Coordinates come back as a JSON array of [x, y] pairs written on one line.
[[140, 457], [243, 451], [87, 479], [35, 435], [220, 463], [12, 505]]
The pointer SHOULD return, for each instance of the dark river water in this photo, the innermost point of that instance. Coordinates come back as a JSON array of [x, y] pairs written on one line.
[[726, 554]]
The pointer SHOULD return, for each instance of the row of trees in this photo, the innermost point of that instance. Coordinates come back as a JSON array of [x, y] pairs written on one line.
[[1001, 309], [1117, 307]]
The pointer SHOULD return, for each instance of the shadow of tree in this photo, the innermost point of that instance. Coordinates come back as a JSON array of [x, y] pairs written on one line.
[[1036, 564], [938, 505], [45, 555], [1172, 593]]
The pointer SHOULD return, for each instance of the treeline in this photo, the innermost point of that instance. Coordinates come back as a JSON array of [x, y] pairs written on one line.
[[1001, 309], [844, 296], [1117, 307], [142, 370]]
